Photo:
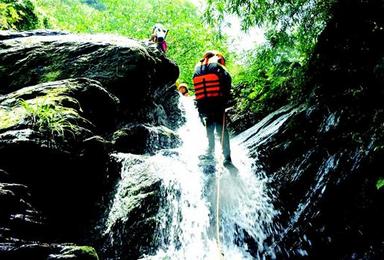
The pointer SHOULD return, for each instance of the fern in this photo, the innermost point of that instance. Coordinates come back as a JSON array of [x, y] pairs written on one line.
[[48, 117]]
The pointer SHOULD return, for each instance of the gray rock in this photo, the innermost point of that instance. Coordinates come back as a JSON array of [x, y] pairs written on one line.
[[325, 160], [94, 85], [142, 139], [131, 221], [5, 35], [129, 69], [44, 251]]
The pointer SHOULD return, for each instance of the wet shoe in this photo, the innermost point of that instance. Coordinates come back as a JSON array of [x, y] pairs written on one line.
[[227, 161]]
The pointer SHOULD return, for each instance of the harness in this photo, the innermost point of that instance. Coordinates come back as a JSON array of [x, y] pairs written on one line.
[[207, 85]]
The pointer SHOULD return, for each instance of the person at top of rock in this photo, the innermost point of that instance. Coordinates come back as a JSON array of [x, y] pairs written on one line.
[[159, 33]]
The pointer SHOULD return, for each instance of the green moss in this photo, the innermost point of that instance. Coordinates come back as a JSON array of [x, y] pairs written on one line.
[[82, 252], [380, 183], [46, 115], [50, 76], [11, 116]]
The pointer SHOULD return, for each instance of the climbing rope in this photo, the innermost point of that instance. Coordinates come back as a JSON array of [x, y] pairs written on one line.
[[220, 249]]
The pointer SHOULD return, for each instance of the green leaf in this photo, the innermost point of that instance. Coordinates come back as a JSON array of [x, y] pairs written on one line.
[[188, 36], [380, 183]]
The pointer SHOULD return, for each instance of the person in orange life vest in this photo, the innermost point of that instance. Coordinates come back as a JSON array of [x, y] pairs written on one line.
[[183, 89], [212, 84]]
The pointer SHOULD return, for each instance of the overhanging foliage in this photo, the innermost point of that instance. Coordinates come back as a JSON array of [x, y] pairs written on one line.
[[188, 37], [274, 72]]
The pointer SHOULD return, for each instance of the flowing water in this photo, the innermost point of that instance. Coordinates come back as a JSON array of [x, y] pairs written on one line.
[[197, 220]]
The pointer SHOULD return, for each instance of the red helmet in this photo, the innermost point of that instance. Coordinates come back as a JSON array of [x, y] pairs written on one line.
[[209, 55]]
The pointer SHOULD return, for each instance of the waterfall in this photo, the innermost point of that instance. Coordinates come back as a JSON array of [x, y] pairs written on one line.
[[187, 211]]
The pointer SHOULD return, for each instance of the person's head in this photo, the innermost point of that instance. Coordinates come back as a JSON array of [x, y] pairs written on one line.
[[183, 89], [160, 32], [213, 57]]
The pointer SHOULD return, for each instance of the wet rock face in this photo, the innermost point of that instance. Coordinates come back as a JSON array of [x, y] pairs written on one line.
[[131, 71], [324, 159], [14, 251], [65, 99], [323, 183], [131, 224], [48, 144], [139, 139], [348, 59]]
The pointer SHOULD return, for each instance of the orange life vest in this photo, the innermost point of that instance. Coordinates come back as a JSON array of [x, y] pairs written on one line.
[[207, 85]]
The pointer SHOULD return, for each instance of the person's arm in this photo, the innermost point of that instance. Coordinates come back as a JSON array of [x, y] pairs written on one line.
[[226, 82]]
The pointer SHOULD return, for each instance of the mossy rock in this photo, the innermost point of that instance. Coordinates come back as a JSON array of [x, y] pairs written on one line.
[[75, 253]]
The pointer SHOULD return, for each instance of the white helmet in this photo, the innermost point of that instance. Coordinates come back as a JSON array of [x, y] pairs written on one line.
[[160, 32]]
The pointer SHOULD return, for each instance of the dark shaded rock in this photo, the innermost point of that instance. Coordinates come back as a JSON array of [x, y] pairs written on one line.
[[9, 200], [131, 222], [4, 176], [324, 159], [239, 122], [91, 86], [59, 177], [81, 95], [354, 36], [19, 220], [322, 181], [43, 251], [142, 139], [14, 251], [58, 159], [168, 99], [64, 186]]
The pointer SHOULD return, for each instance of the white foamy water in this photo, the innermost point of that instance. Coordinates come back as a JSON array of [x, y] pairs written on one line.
[[190, 187], [188, 219]]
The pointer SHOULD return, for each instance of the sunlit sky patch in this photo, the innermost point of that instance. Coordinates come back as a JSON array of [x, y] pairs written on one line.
[[239, 41]]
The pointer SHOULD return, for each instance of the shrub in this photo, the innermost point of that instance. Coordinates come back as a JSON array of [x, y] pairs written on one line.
[[48, 117], [18, 15]]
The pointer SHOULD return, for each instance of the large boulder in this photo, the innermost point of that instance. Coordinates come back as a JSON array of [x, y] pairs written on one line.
[[5, 35], [131, 222], [66, 101], [49, 142], [127, 68], [16, 251], [21, 222], [325, 157]]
